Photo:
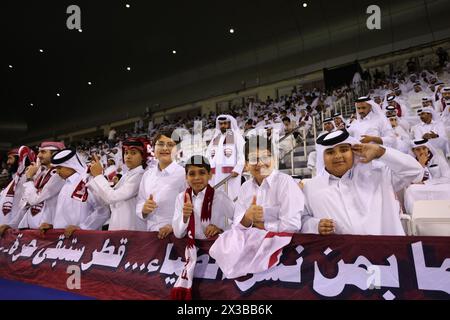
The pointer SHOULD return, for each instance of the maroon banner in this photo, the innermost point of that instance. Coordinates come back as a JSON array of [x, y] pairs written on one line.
[[137, 265]]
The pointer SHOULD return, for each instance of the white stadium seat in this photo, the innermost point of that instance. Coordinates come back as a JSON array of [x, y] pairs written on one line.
[[431, 218]]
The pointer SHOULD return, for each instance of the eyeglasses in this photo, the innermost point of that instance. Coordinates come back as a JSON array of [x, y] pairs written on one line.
[[169, 145], [263, 159]]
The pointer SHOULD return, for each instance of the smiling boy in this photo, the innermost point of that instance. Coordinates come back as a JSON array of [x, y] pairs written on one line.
[[197, 199], [357, 195]]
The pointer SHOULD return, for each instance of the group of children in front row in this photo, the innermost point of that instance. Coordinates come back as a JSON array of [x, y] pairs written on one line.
[[357, 195]]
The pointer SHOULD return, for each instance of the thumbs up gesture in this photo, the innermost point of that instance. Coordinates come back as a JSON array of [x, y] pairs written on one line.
[[255, 213], [187, 208], [149, 206]]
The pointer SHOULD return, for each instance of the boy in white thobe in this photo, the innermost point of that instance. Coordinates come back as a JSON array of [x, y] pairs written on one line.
[[75, 208], [435, 184], [267, 213], [198, 173], [357, 195], [160, 187], [122, 198]]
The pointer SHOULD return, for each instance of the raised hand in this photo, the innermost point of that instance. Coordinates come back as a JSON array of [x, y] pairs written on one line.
[[368, 152], [31, 170], [96, 167]]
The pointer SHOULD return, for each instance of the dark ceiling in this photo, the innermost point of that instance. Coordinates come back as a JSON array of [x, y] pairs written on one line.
[[142, 37], [114, 37]]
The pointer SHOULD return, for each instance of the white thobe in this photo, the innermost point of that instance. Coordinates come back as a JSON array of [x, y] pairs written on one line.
[[402, 140], [373, 125], [362, 201], [122, 199], [281, 198], [88, 215], [164, 185], [220, 162], [13, 218], [294, 118], [110, 172], [441, 142], [47, 198], [222, 210], [308, 120], [414, 101], [437, 187]]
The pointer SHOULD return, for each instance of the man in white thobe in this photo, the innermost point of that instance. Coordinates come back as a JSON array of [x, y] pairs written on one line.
[[371, 125], [42, 187], [226, 155], [432, 129]]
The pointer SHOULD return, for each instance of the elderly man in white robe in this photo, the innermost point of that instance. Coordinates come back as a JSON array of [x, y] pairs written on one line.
[[357, 193], [226, 155], [371, 125], [76, 208], [435, 184]]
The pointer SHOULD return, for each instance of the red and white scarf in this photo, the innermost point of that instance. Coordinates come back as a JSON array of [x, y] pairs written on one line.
[[9, 196], [81, 192], [39, 185], [182, 290]]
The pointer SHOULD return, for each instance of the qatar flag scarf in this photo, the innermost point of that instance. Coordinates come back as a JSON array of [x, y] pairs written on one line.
[[182, 289]]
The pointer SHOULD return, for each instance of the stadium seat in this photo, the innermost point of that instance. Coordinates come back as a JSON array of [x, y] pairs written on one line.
[[431, 218]]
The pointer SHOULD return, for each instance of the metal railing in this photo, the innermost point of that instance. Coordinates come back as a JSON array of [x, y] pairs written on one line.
[[222, 182]]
